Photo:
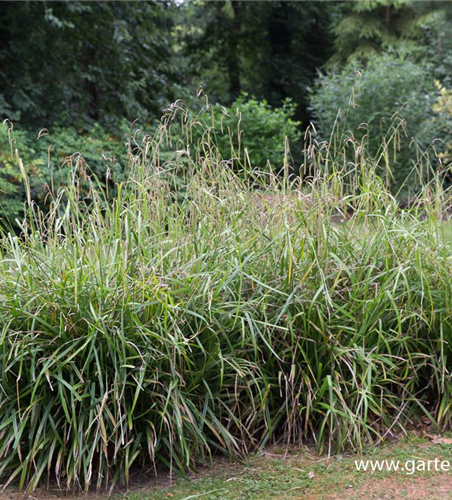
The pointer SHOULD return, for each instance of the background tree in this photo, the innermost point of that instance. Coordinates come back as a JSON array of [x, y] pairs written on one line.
[[435, 45], [83, 62], [295, 43], [388, 96], [270, 50], [369, 26]]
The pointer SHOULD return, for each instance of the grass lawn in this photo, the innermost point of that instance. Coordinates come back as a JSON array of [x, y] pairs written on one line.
[[296, 474], [299, 474]]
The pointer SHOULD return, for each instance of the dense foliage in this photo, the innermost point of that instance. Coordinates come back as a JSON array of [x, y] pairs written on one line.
[[249, 133], [269, 49], [56, 69], [390, 95], [47, 159], [81, 63], [368, 27], [443, 121], [72, 67], [141, 331]]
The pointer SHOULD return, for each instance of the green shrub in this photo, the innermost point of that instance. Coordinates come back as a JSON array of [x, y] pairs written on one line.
[[443, 119], [389, 95], [12, 189], [48, 159], [259, 129], [248, 134]]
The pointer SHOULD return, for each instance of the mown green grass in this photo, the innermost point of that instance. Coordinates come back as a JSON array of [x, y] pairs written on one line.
[[291, 474], [191, 316]]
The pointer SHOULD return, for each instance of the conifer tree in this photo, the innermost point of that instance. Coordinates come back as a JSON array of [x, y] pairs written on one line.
[[370, 26]]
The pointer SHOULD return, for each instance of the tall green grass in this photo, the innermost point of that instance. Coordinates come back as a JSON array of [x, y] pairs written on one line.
[[205, 310]]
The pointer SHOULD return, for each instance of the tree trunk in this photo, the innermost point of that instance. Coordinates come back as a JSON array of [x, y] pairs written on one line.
[[279, 53], [233, 61], [388, 16], [89, 55]]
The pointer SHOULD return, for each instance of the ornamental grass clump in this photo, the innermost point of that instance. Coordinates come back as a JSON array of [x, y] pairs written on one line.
[[204, 311]]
